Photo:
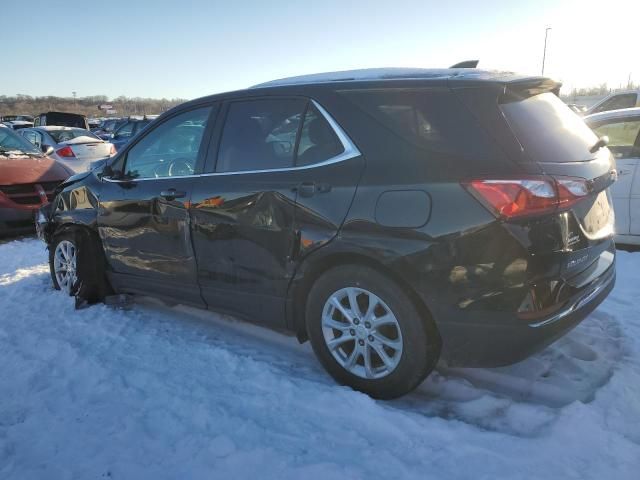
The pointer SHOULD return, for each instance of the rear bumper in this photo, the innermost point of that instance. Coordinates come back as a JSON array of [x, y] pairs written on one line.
[[486, 343]]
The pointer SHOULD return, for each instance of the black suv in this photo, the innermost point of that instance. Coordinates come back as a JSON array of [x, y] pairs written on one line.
[[392, 217]]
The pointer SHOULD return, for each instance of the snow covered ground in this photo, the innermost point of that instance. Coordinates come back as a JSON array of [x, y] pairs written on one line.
[[158, 392]]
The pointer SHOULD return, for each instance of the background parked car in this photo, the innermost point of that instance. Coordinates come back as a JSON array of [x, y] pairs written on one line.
[[17, 124], [74, 147], [108, 127], [93, 123], [62, 119], [623, 129], [128, 130], [12, 118], [28, 179], [616, 101]]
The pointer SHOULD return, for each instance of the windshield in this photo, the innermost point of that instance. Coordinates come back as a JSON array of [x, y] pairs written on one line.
[[65, 135], [10, 142], [548, 130]]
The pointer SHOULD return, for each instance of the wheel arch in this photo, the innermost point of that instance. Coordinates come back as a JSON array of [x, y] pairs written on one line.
[[317, 265]]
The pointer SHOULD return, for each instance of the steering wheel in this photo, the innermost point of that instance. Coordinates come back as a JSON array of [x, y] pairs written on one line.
[[180, 167]]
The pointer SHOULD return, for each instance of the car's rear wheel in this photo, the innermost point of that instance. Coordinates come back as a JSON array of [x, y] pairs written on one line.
[[368, 333], [77, 265]]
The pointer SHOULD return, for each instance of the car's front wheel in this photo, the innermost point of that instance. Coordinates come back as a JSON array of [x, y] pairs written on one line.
[[368, 334], [77, 265]]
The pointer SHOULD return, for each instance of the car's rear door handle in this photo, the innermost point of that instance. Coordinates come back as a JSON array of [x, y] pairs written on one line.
[[172, 194]]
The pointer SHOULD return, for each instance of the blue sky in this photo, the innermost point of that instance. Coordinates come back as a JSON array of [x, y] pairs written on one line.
[[190, 48]]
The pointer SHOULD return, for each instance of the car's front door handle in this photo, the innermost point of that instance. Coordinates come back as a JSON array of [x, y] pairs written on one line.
[[172, 194]]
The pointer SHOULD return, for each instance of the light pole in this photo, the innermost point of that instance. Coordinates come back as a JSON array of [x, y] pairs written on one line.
[[544, 52]]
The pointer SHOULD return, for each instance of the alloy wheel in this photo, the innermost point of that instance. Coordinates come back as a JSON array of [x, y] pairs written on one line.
[[64, 265], [362, 333]]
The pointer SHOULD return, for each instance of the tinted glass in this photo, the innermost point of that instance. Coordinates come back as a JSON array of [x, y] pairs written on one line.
[[548, 130], [66, 120], [10, 141], [318, 141], [260, 134], [625, 100], [432, 120], [125, 131], [171, 149], [61, 136]]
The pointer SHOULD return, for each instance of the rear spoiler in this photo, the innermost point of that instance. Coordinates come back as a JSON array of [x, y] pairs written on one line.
[[527, 87], [466, 64]]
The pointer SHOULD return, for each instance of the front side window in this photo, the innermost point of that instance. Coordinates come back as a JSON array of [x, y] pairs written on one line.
[[11, 141], [625, 100], [624, 136], [171, 149], [31, 136]]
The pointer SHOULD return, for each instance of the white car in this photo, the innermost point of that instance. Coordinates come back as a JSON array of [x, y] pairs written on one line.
[[616, 101], [623, 129], [76, 148]]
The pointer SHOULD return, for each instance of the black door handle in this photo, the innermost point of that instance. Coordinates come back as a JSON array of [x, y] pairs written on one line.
[[172, 194], [306, 189], [309, 189]]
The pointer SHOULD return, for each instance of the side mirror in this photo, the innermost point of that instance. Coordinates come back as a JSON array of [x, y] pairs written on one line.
[[109, 172], [46, 149]]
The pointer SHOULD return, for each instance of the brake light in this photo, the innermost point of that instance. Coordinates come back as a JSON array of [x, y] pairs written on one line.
[[511, 198], [65, 152], [112, 150]]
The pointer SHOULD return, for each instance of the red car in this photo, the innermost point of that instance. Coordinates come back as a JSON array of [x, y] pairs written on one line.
[[28, 178]]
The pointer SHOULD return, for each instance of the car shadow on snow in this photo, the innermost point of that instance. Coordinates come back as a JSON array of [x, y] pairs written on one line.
[[521, 399]]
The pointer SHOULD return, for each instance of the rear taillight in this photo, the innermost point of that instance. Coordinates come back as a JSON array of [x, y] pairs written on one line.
[[65, 152], [535, 195]]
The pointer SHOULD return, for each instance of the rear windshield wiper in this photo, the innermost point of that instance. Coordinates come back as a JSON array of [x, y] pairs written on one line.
[[602, 142]]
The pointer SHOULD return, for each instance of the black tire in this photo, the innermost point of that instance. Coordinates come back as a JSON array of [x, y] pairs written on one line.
[[420, 338], [92, 285]]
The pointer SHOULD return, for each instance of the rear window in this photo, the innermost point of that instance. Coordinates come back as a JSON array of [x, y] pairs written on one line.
[[66, 120], [548, 130], [65, 135], [434, 120]]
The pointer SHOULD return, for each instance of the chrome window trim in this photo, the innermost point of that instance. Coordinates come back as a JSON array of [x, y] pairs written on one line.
[[350, 151]]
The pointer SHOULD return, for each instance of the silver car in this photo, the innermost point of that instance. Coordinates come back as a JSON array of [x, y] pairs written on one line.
[[622, 127], [76, 148]]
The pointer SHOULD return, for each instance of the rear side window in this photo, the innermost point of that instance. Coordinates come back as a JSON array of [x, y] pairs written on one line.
[[260, 134], [318, 141], [430, 119], [548, 130]]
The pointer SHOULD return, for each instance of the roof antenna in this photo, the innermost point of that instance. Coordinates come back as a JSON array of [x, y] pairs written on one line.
[[466, 64]]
